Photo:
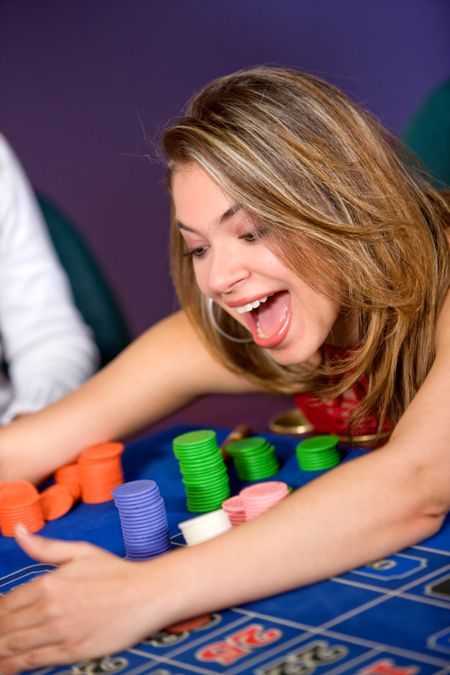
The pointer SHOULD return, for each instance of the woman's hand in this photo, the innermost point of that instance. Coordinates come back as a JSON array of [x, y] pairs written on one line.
[[93, 605]]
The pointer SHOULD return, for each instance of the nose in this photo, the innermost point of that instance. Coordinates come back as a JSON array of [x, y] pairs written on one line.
[[227, 269]]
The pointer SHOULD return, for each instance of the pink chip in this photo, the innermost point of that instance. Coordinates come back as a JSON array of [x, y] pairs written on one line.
[[265, 491], [233, 505], [234, 508], [262, 496]]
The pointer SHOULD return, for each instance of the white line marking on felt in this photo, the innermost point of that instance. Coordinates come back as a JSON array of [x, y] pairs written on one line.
[[319, 630], [17, 574], [424, 599], [164, 660], [205, 637], [408, 573], [432, 550], [144, 667], [270, 655], [357, 661], [434, 582], [189, 666], [378, 601], [434, 637]]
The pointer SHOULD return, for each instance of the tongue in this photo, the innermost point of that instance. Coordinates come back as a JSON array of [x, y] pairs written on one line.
[[272, 313]]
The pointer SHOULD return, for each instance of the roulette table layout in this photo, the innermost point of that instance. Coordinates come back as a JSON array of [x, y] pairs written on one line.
[[391, 617]]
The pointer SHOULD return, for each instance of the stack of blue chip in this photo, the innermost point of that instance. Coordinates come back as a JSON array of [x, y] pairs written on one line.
[[143, 518]]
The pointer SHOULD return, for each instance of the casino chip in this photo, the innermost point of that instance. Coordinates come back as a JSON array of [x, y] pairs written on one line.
[[204, 527], [94, 476], [143, 519], [261, 497], [254, 458], [56, 501], [318, 453], [69, 475], [100, 472], [203, 470], [234, 508], [20, 503]]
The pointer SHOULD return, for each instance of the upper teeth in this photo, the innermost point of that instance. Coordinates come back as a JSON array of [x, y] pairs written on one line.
[[250, 305]]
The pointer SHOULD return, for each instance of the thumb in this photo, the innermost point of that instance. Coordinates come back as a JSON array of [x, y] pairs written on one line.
[[47, 550]]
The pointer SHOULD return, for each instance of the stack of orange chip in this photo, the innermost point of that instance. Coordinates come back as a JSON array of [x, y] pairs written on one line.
[[20, 503], [94, 477], [100, 472], [69, 475]]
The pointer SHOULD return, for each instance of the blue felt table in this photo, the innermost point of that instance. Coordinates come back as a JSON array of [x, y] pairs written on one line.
[[392, 617]]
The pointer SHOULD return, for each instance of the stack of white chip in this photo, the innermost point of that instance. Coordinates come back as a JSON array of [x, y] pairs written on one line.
[[204, 527]]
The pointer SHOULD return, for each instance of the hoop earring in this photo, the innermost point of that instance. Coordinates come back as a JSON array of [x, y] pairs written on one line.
[[212, 318]]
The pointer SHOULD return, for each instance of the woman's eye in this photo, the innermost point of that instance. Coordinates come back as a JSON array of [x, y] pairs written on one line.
[[196, 252], [250, 236], [254, 235]]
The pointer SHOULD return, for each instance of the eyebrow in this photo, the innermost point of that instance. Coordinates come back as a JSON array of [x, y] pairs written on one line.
[[227, 215]]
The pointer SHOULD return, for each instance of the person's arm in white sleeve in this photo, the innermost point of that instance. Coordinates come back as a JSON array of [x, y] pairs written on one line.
[[48, 349]]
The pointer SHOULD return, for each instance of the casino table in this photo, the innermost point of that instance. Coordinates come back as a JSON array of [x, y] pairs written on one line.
[[390, 617]]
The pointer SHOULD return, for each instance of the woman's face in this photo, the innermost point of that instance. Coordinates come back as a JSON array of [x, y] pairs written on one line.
[[234, 266]]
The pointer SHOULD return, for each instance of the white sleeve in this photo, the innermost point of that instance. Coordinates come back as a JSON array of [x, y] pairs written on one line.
[[48, 348]]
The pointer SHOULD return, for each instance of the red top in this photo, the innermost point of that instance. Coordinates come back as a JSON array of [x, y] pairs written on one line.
[[331, 417]]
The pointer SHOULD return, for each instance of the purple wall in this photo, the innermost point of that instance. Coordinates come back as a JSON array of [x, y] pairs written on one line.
[[81, 83]]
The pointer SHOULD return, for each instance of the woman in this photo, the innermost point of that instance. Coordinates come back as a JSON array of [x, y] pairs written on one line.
[[309, 254]]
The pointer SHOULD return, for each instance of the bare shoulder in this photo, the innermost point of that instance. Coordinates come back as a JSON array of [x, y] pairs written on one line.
[[425, 425], [419, 444]]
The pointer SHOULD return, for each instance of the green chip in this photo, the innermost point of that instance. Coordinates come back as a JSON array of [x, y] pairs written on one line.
[[195, 437], [254, 458], [309, 463], [318, 453], [197, 465], [247, 445], [203, 470], [319, 443]]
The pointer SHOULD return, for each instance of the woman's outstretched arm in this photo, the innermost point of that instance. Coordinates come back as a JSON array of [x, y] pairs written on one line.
[[163, 370]]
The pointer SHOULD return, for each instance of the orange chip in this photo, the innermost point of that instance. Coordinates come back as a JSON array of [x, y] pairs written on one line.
[[75, 490], [56, 501], [69, 475], [17, 492], [19, 503], [101, 452], [100, 472], [189, 624], [66, 473]]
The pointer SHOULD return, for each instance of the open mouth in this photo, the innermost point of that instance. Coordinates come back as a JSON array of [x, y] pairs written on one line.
[[268, 318]]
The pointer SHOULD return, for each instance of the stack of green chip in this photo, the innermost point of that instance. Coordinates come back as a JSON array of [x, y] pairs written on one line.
[[204, 473], [318, 453], [254, 458]]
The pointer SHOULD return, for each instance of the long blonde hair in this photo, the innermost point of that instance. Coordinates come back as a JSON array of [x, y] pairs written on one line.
[[345, 205]]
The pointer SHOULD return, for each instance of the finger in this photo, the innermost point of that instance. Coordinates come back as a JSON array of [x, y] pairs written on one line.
[[20, 642], [21, 611], [48, 550], [49, 655], [19, 597]]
